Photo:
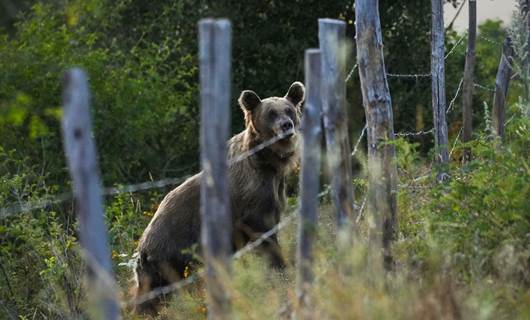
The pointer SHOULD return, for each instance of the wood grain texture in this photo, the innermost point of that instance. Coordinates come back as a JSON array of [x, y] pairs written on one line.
[[81, 156], [502, 83], [309, 181], [468, 84], [438, 84], [331, 35], [382, 171], [215, 38]]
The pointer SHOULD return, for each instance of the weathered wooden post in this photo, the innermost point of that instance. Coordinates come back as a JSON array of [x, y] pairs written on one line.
[[377, 102], [524, 6], [331, 34], [468, 85], [438, 85], [81, 156], [309, 182], [215, 38], [502, 83]]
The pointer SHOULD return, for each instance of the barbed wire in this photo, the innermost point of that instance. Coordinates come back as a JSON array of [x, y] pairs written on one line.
[[416, 75], [355, 148], [417, 133], [456, 140], [456, 45], [478, 85], [261, 146], [428, 74], [350, 74], [492, 41], [63, 197], [34, 205], [253, 245], [452, 103], [161, 291], [363, 204]]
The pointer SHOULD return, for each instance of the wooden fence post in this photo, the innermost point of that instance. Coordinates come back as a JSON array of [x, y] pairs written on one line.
[[81, 156], [468, 85], [524, 6], [309, 181], [331, 34], [502, 83], [215, 38], [438, 85], [380, 125]]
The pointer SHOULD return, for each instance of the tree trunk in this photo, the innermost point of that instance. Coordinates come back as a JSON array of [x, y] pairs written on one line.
[[467, 92], [438, 85], [380, 127]]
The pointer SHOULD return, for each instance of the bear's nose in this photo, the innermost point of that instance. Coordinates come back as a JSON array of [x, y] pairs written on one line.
[[286, 126]]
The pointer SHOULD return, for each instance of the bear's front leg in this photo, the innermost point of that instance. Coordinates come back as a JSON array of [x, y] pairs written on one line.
[[272, 249]]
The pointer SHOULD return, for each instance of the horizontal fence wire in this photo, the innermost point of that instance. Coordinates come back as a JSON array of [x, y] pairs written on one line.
[[131, 188], [485, 88], [492, 41], [429, 74], [63, 197], [27, 206], [412, 133], [413, 75]]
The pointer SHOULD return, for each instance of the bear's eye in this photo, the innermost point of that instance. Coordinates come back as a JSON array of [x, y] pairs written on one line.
[[272, 114], [290, 113]]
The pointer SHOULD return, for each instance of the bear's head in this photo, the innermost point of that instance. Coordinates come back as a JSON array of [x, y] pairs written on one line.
[[275, 117]]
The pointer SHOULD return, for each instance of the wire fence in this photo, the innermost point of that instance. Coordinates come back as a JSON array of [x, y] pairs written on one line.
[[46, 202], [290, 218], [28, 206]]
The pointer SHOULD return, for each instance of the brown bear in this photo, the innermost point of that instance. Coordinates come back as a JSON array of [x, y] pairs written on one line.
[[256, 188]]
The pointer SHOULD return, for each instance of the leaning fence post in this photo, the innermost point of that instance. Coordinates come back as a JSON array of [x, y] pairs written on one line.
[[438, 85], [81, 156], [382, 171], [309, 182], [332, 38], [502, 83], [215, 38]]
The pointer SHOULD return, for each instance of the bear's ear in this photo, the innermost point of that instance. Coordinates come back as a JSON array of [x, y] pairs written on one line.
[[248, 100], [296, 93]]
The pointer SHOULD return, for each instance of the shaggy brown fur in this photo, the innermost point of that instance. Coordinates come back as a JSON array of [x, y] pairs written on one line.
[[256, 187]]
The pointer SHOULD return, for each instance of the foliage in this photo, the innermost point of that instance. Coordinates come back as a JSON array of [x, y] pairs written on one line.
[[135, 102]]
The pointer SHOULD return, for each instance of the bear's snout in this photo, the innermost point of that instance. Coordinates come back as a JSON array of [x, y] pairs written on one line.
[[287, 128]]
